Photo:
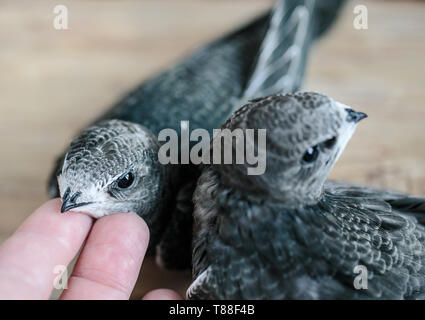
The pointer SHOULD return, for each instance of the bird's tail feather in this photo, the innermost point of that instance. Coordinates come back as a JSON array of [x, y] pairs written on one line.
[[293, 25]]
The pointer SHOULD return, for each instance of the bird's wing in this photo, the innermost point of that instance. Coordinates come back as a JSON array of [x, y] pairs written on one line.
[[266, 56], [358, 190], [376, 228], [406, 204], [294, 24], [202, 88]]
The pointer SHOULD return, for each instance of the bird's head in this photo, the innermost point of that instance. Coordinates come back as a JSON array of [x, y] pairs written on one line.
[[112, 167], [306, 134]]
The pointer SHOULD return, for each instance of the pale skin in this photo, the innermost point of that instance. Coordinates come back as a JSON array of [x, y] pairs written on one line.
[[107, 267]]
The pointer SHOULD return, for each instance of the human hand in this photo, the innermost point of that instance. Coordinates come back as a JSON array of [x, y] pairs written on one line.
[[107, 267]]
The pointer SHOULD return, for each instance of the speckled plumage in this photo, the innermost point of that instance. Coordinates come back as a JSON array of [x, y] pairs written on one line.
[[205, 89], [293, 235]]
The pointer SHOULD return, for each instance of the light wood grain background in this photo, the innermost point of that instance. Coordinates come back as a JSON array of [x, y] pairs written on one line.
[[52, 83]]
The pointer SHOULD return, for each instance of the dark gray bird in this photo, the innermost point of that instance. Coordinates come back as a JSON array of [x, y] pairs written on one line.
[[113, 165], [289, 233]]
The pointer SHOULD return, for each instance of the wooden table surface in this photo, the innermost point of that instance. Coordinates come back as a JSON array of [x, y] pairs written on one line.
[[52, 83]]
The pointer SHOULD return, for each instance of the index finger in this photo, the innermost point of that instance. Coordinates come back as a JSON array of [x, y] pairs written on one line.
[[110, 261], [45, 240]]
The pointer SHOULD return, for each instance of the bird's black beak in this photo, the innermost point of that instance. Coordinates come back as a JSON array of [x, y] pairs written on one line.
[[69, 201], [354, 116]]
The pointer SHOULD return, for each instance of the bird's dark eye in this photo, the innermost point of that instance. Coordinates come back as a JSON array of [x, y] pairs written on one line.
[[311, 154], [330, 143], [125, 181]]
